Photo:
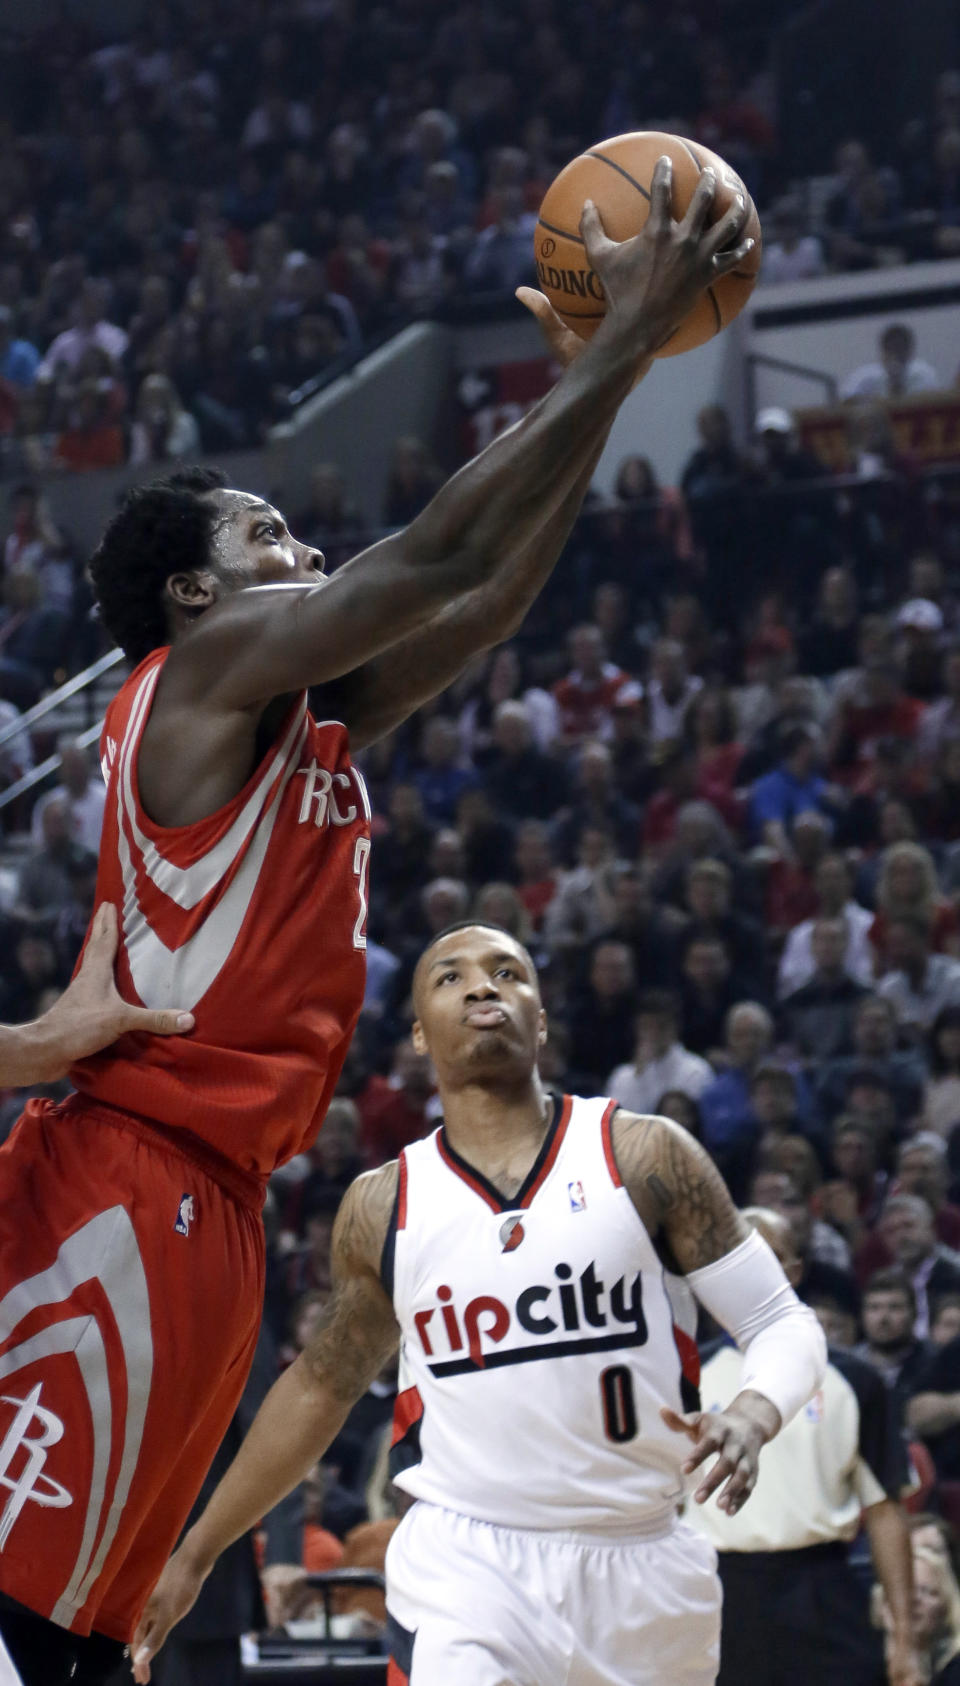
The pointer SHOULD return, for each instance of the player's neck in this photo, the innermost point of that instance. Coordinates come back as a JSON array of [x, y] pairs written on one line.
[[497, 1128]]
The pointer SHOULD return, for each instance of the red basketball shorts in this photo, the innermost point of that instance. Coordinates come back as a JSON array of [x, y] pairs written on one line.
[[131, 1288]]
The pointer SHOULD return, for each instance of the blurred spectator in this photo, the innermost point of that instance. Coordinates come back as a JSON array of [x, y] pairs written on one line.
[[92, 437], [907, 888], [898, 372], [795, 787], [161, 428], [587, 695], [581, 907], [878, 708], [888, 1311], [707, 991], [19, 360], [46, 883], [779, 456], [669, 692], [83, 793], [487, 840], [90, 328], [414, 477], [537, 875], [791, 255], [941, 1094], [709, 901], [632, 916], [602, 1014], [660, 1062], [725, 1104], [442, 778], [818, 1017], [918, 984], [833, 885], [830, 644], [503, 682], [906, 1228], [520, 779], [862, 215], [875, 1052], [941, 721], [502, 254], [596, 803], [393, 1110]]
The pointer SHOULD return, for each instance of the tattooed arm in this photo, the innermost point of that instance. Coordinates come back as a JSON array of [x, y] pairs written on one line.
[[683, 1200], [302, 1413]]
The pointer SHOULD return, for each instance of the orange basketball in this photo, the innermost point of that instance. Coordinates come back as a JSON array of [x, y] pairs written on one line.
[[616, 175]]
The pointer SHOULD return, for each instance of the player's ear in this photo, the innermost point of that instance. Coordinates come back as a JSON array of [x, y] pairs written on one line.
[[542, 1028], [192, 591], [417, 1037]]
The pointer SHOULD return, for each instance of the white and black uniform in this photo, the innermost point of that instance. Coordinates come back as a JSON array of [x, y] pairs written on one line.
[[541, 1337]]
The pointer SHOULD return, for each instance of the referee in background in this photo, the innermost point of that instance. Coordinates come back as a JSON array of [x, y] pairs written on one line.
[[794, 1611]]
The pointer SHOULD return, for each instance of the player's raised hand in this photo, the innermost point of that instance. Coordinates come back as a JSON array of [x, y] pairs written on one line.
[[654, 279], [91, 1013], [735, 1438], [175, 1593], [563, 343]]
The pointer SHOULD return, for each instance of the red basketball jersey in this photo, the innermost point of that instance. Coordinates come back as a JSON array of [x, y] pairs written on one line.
[[253, 919]]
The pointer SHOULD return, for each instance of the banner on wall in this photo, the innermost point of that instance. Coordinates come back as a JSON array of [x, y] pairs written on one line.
[[492, 397], [926, 430]]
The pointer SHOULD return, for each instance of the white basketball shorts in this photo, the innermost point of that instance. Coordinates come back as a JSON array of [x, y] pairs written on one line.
[[470, 1604]]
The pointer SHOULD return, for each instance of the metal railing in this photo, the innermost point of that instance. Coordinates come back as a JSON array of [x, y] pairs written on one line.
[[48, 705], [80, 682]]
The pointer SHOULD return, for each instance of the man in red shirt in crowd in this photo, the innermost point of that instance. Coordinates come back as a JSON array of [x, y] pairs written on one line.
[[587, 695]]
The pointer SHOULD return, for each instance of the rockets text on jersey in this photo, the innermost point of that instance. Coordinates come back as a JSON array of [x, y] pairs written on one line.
[[254, 918], [541, 1337]]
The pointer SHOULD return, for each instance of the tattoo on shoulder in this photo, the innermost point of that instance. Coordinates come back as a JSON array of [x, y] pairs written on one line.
[[676, 1187], [364, 1216]]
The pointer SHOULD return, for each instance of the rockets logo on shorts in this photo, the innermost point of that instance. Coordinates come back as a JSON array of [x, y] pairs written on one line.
[[30, 1483], [185, 1215]]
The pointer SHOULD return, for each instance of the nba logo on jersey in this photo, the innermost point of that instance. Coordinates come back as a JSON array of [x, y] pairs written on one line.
[[185, 1215], [813, 1410], [578, 1200]]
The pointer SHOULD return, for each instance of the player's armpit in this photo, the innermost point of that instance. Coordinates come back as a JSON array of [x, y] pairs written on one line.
[[358, 1330], [677, 1189]]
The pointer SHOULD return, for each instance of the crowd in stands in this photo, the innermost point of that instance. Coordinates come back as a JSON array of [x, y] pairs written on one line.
[[726, 824], [198, 221]]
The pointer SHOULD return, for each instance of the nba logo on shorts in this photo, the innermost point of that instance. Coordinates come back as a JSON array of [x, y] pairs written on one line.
[[578, 1200], [185, 1215]]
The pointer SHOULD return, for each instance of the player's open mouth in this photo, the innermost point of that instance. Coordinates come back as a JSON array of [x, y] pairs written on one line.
[[485, 1018]]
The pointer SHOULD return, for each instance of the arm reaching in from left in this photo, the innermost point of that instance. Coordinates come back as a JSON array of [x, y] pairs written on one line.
[[89, 1015], [679, 1193], [301, 1414]]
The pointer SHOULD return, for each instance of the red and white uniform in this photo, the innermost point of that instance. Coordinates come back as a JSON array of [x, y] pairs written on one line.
[[541, 1337], [131, 1246]]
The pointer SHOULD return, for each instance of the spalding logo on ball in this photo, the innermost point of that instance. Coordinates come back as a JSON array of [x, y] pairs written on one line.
[[616, 175]]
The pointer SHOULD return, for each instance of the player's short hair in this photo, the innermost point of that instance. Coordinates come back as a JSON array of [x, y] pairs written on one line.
[[160, 529]]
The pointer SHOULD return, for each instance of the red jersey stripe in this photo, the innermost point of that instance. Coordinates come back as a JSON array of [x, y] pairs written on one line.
[[407, 1410], [608, 1152], [555, 1147]]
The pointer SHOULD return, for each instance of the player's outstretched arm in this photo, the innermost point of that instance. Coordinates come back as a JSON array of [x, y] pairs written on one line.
[[380, 695], [492, 510], [301, 1414], [89, 1015], [679, 1193]]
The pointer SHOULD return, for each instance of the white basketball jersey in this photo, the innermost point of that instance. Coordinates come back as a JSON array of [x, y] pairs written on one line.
[[541, 1336]]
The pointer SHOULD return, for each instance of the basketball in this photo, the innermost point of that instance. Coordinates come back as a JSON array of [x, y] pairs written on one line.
[[616, 175]]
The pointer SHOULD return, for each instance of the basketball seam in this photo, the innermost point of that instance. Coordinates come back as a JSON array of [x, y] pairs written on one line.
[[718, 313], [560, 231], [690, 153], [603, 159], [581, 315]]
